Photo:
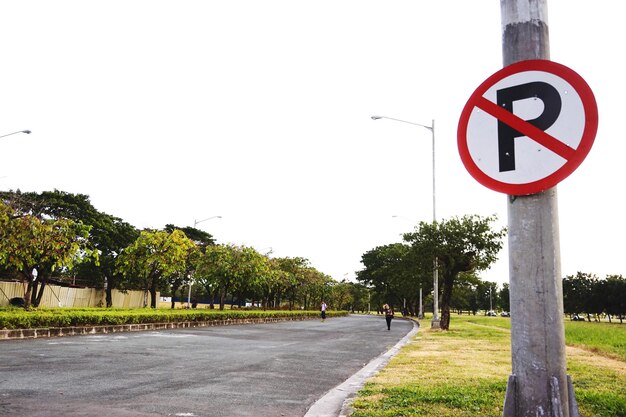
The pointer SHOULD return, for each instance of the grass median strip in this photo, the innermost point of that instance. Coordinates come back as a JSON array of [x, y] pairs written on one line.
[[463, 373]]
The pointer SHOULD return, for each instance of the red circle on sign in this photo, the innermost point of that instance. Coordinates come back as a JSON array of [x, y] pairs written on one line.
[[575, 158]]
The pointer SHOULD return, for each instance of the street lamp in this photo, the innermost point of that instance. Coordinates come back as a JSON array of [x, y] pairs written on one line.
[[435, 321], [15, 133], [195, 222]]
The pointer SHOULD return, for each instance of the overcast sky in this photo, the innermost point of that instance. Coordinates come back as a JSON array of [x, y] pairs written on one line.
[[259, 112]]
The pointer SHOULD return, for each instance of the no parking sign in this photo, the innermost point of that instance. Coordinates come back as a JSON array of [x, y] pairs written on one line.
[[527, 127]]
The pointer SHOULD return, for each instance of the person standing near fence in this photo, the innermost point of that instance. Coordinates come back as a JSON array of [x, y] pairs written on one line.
[[388, 310]]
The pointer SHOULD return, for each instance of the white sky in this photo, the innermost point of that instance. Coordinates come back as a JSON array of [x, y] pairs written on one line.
[[259, 111]]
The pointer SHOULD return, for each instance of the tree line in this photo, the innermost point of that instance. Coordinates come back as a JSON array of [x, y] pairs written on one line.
[[50, 237], [586, 294], [63, 237], [459, 248]]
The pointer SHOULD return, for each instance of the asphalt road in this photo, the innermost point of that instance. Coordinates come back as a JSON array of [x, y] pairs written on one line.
[[271, 370]]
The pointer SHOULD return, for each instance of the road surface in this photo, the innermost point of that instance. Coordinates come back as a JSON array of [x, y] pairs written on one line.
[[278, 369]]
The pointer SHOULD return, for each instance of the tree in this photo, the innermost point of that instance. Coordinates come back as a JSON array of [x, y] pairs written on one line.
[[28, 243], [107, 234], [341, 296], [202, 240], [295, 273], [231, 269], [504, 296], [463, 244], [615, 296], [393, 274], [153, 257], [577, 291], [252, 269], [466, 293], [360, 297], [487, 295], [314, 287]]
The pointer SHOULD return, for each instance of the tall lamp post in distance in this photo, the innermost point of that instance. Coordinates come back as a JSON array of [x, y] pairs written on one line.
[[15, 133], [435, 321], [195, 223]]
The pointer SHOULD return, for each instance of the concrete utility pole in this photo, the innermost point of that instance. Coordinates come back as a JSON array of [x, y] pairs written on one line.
[[539, 385]]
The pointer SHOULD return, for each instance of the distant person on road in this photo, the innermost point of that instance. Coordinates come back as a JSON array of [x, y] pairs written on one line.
[[388, 310], [323, 310]]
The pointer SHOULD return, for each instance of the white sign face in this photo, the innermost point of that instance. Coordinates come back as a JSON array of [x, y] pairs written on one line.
[[527, 127]]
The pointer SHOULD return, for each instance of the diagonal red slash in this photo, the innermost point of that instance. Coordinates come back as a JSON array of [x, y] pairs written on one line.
[[526, 128]]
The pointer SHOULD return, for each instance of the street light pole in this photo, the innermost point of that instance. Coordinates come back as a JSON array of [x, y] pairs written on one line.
[[435, 321], [15, 133], [195, 223], [189, 294]]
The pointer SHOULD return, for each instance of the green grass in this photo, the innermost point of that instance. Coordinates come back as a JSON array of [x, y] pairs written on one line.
[[606, 338], [463, 372]]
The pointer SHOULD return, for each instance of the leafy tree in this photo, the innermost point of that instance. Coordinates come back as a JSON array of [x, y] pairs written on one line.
[[202, 240], [463, 299], [313, 287], [577, 290], [486, 294], [391, 273], [296, 270], [231, 269], [595, 297], [107, 234], [460, 245], [466, 294], [252, 269], [268, 288], [504, 297], [153, 257], [360, 297], [28, 242], [615, 296], [341, 296]]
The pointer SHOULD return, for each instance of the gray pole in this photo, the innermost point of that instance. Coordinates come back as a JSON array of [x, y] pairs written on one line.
[[435, 323], [420, 315], [539, 385]]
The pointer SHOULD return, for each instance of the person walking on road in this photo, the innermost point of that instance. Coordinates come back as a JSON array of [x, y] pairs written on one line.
[[388, 310], [323, 310]]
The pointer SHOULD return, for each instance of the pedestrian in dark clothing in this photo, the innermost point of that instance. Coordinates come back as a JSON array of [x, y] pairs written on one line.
[[323, 310], [388, 310]]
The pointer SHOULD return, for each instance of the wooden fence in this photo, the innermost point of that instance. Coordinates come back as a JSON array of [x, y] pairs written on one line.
[[55, 296]]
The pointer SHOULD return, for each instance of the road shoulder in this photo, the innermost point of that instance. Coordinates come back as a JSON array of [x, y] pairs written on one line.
[[338, 400]]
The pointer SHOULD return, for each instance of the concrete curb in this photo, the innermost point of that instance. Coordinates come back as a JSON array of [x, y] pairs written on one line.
[[83, 330], [340, 397]]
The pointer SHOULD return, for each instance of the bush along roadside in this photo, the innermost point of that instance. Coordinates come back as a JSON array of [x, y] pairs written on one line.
[[12, 320]]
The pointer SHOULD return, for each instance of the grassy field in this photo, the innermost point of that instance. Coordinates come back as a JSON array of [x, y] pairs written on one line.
[[463, 372]]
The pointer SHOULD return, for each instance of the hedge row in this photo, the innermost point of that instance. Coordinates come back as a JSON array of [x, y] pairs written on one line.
[[61, 317]]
